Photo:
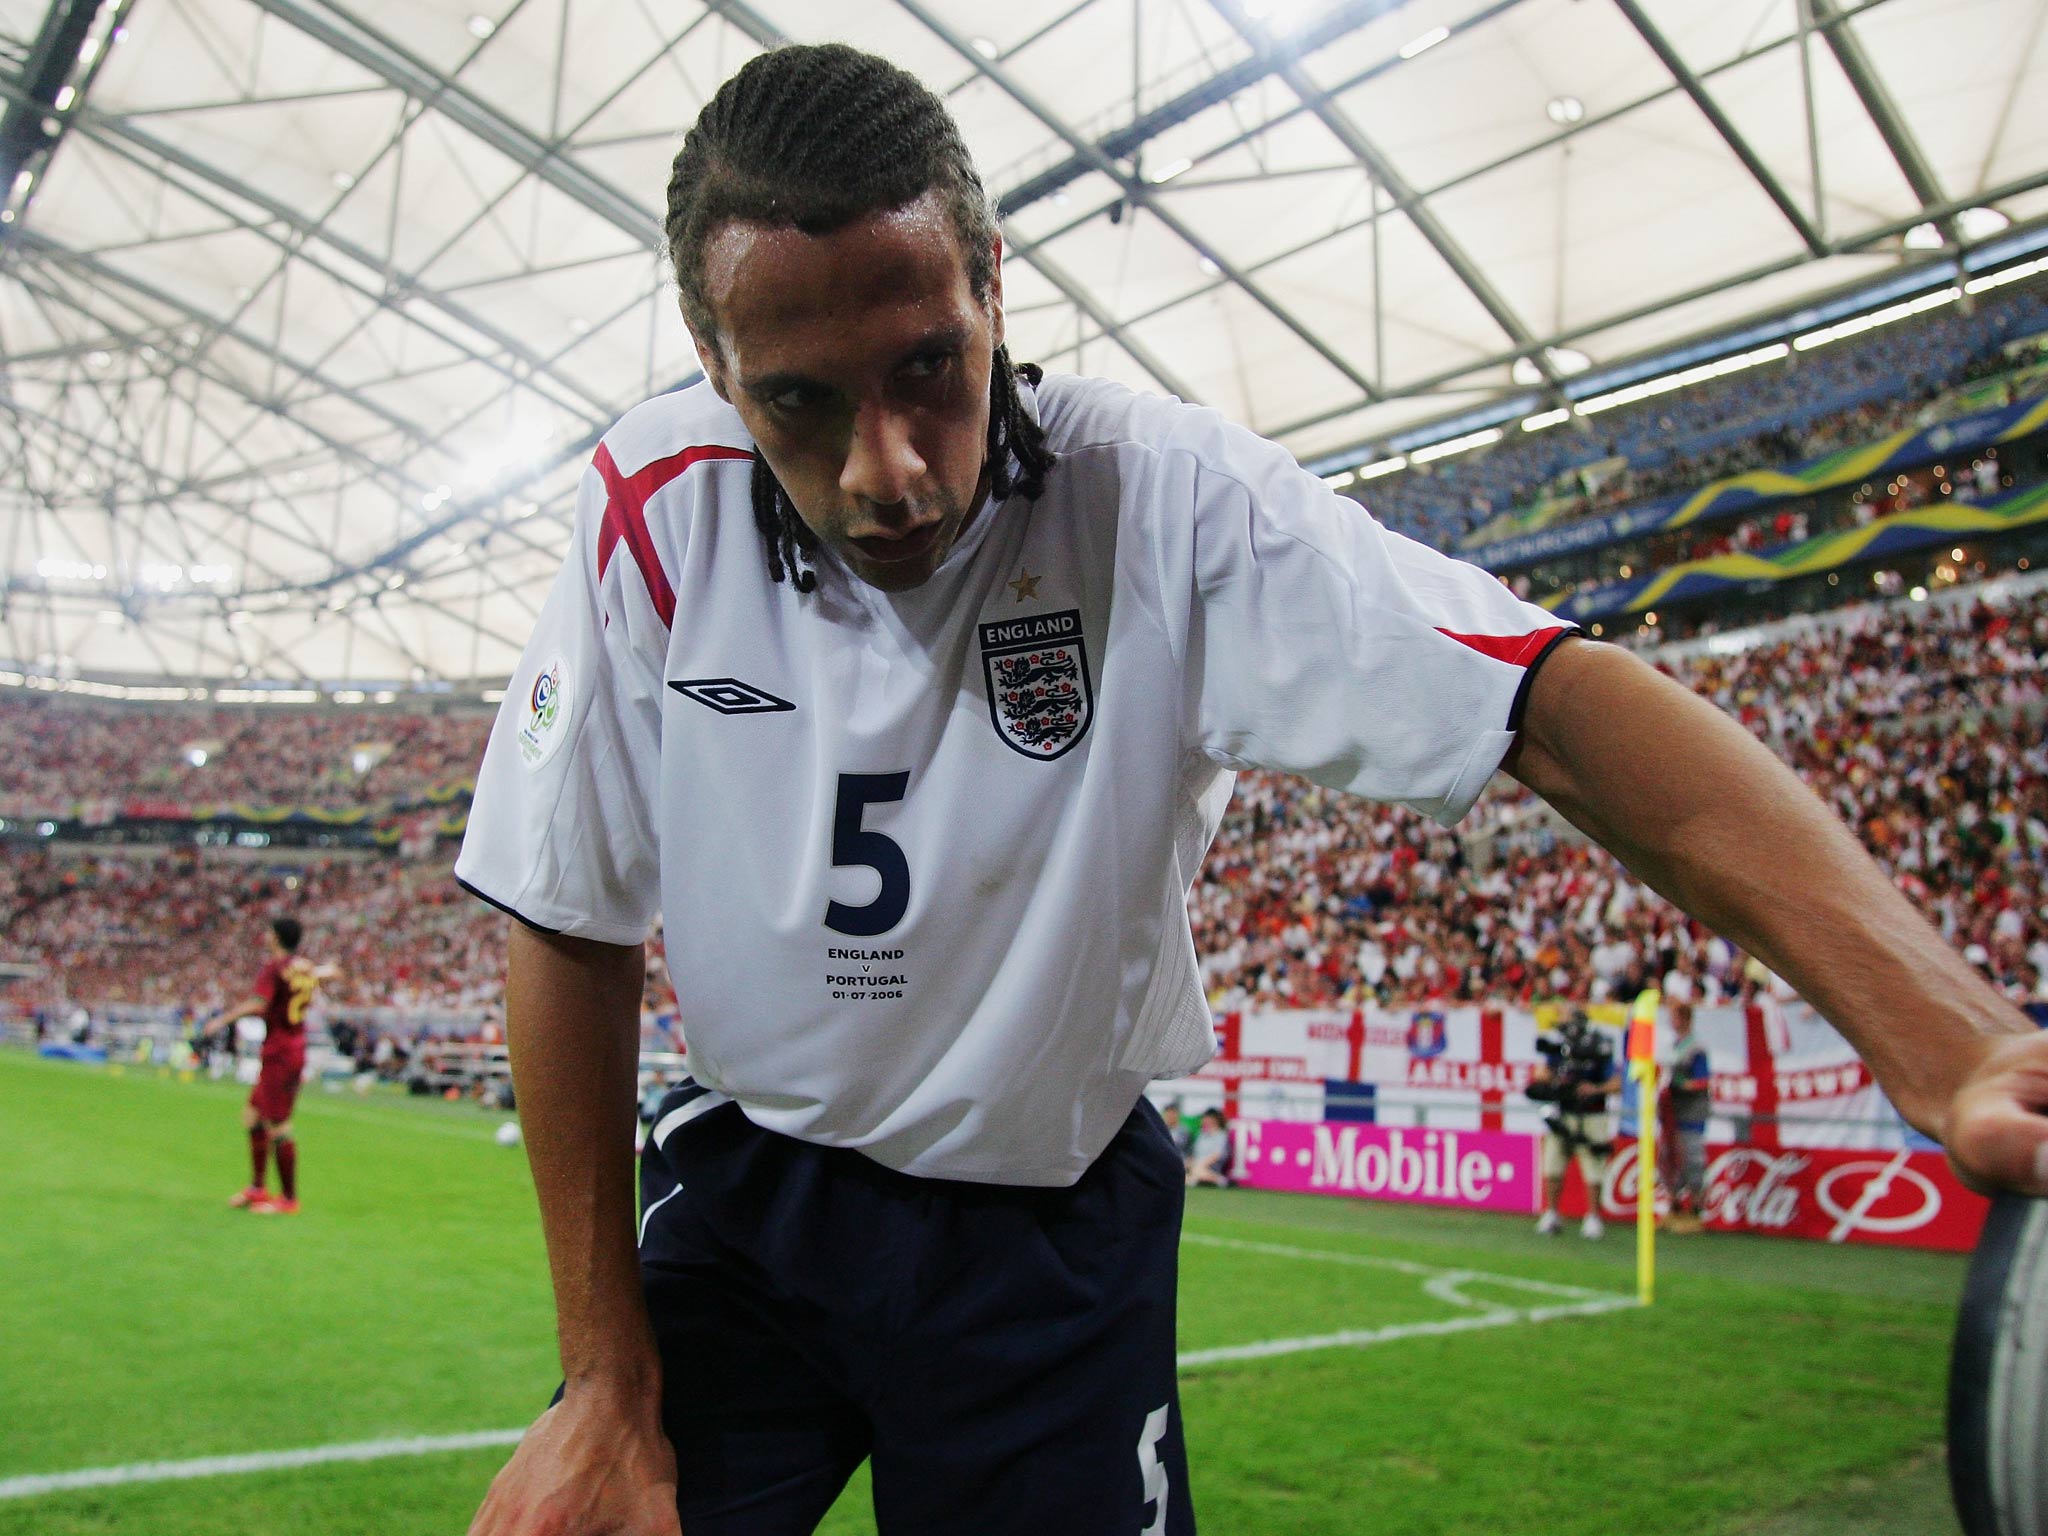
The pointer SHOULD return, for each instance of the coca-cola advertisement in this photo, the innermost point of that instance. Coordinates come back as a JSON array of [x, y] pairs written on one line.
[[1902, 1197]]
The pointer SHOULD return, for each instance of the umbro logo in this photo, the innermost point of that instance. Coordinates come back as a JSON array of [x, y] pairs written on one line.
[[730, 696]]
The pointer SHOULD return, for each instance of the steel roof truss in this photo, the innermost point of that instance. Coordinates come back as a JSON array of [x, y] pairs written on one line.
[[1139, 195], [1884, 114], [1710, 109]]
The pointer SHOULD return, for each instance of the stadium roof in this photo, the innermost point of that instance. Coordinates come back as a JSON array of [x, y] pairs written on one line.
[[310, 310]]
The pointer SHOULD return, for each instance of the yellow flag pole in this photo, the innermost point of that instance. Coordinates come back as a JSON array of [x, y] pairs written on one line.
[[1642, 1066]]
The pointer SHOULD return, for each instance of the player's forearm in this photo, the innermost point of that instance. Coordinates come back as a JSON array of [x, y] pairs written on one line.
[[572, 1025], [1698, 809]]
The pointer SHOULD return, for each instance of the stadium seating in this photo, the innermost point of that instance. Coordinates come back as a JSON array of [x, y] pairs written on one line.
[[1849, 392]]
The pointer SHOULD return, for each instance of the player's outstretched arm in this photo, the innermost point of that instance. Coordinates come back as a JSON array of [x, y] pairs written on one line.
[[247, 1008], [1700, 810], [597, 1463]]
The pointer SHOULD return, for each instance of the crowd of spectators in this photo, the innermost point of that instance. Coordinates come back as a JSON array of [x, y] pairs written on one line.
[[1920, 723], [187, 928], [1921, 726], [72, 757], [1851, 391]]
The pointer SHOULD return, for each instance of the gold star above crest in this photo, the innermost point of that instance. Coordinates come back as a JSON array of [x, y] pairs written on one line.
[[1026, 585]]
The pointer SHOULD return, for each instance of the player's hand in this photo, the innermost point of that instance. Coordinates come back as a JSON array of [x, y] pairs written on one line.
[[588, 1467], [1996, 1131]]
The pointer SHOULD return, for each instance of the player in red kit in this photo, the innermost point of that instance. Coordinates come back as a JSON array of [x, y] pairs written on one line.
[[284, 992]]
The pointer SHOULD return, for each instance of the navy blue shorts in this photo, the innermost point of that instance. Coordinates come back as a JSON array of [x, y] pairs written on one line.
[[1004, 1356]]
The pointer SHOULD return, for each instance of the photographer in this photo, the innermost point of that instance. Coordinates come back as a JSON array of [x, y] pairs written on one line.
[[1577, 1075]]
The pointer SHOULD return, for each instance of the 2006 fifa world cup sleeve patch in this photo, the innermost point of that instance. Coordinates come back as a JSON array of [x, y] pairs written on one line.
[[544, 723]]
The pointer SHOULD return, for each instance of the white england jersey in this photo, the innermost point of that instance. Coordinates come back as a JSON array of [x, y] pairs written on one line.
[[923, 857]]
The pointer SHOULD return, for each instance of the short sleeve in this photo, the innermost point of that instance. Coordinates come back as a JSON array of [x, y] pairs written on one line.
[[562, 831], [1320, 643]]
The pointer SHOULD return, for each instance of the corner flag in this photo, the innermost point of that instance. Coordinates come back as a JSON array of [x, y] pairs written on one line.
[[1642, 1066]]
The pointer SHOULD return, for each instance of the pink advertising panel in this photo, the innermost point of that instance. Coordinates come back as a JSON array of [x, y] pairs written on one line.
[[1479, 1170]]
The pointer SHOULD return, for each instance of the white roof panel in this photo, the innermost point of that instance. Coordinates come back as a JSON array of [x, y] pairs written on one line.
[[295, 265]]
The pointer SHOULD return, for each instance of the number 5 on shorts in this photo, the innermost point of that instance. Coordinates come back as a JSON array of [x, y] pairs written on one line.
[[1153, 1468]]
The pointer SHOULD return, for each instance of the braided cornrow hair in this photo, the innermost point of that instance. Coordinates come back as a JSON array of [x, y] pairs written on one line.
[[814, 137]]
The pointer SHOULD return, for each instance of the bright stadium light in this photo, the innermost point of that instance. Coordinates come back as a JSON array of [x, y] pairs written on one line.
[[1380, 467], [1416, 47], [1453, 445], [1564, 362], [1683, 379], [1857, 324], [1981, 223], [2006, 275]]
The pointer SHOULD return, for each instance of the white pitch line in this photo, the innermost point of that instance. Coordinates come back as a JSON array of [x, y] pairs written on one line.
[[1399, 1266], [262, 1461], [1361, 1338], [1582, 1303], [1439, 1280]]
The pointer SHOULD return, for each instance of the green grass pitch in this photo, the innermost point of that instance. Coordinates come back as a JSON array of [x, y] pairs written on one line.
[[1776, 1389]]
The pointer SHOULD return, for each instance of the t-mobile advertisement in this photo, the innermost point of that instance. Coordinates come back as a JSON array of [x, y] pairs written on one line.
[[1480, 1170]]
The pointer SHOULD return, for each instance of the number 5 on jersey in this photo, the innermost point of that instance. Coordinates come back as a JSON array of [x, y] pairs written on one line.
[[855, 845]]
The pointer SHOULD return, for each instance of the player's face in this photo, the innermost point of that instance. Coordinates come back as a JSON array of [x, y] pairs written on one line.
[[860, 362]]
